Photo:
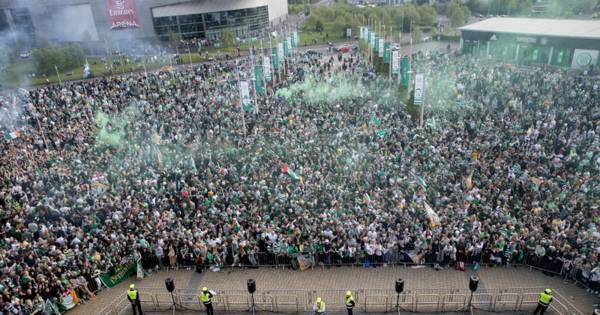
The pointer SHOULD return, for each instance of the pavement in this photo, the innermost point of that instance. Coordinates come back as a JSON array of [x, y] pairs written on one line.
[[343, 278]]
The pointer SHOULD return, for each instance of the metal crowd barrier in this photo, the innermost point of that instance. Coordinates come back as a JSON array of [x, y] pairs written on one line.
[[368, 301]]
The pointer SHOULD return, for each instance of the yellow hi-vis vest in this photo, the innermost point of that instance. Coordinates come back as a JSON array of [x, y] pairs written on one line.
[[132, 294], [321, 307], [545, 299], [205, 298], [349, 301]]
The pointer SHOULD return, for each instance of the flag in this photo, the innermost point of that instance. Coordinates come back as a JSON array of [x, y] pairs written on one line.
[[285, 168], [293, 175], [469, 182], [267, 68], [386, 52], [245, 96], [395, 62], [274, 54], [13, 135], [404, 71], [434, 219], [258, 80], [381, 133]]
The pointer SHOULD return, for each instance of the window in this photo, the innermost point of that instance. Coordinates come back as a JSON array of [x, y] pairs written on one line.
[[210, 25]]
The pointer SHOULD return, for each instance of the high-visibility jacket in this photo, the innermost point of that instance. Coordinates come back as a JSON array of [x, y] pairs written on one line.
[[350, 302], [132, 294], [206, 297], [321, 307], [545, 299]]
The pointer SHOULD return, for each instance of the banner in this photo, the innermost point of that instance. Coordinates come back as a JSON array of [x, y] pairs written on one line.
[[386, 53], [584, 58], [369, 35], [267, 68], [361, 33], [395, 62], [348, 32], [275, 51], [258, 80], [286, 49], [381, 48], [245, 96], [122, 14], [375, 40], [123, 272], [404, 69], [419, 86], [296, 39], [280, 51], [289, 45]]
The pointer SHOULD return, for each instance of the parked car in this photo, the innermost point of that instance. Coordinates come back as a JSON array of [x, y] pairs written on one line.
[[25, 55], [343, 49]]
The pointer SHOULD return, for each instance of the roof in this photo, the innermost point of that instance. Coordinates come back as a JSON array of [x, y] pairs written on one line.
[[541, 27]]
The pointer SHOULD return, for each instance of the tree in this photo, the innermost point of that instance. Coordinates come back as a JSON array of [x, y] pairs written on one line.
[[458, 14], [175, 39], [73, 56], [410, 16], [427, 15], [314, 23], [228, 38], [416, 34], [45, 59]]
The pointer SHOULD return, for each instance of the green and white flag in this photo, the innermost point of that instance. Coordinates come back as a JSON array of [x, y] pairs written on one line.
[[296, 39], [275, 55], [362, 33], [245, 95], [380, 49], [386, 53], [258, 82], [289, 44], [267, 68], [293, 175], [12, 135], [280, 51], [395, 62], [374, 41]]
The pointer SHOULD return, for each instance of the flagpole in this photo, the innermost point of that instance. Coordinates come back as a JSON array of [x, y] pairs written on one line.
[[241, 98], [262, 60], [255, 80], [57, 74], [390, 53]]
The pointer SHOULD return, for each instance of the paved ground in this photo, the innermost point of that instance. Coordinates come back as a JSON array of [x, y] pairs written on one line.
[[343, 278]]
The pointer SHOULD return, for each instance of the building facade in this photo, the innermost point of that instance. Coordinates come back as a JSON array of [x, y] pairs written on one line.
[[562, 43], [125, 20]]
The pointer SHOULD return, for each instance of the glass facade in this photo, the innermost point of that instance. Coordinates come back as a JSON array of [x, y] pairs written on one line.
[[210, 25], [527, 53]]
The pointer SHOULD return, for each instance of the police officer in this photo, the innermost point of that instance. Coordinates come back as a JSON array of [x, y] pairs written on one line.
[[349, 302], [319, 306], [206, 298], [134, 298], [543, 302]]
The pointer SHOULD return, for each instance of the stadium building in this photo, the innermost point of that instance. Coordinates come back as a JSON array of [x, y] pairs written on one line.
[[125, 20], [563, 43]]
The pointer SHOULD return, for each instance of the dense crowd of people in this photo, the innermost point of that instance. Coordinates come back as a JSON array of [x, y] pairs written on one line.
[[168, 169]]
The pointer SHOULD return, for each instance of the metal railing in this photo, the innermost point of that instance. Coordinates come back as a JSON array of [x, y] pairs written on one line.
[[367, 300]]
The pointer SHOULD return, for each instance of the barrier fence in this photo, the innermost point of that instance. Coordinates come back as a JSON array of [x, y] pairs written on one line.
[[367, 301]]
